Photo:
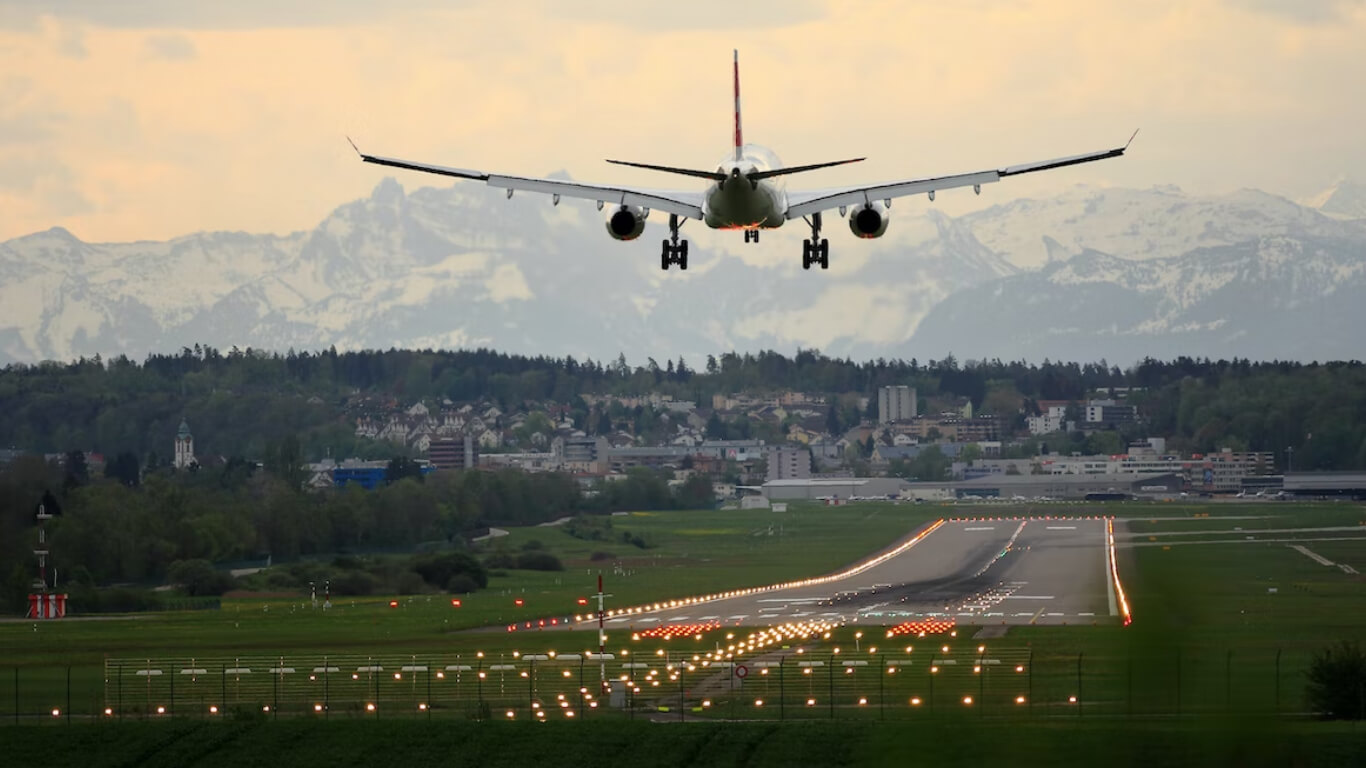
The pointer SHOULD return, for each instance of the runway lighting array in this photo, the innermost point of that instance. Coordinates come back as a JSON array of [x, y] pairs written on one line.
[[871, 562], [670, 631], [109, 711], [923, 627]]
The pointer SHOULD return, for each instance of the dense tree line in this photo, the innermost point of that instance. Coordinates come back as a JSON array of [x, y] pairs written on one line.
[[110, 531], [248, 403]]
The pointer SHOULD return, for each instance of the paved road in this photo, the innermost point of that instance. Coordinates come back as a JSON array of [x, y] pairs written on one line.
[[1053, 572]]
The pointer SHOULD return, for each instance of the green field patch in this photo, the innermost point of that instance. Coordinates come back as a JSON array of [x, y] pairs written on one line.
[[711, 532]]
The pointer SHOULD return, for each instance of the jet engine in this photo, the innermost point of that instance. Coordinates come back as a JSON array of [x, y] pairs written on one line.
[[626, 222], [869, 220]]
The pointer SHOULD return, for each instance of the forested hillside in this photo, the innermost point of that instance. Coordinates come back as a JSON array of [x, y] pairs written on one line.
[[246, 403]]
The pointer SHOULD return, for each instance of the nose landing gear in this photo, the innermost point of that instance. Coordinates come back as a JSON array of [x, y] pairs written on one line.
[[674, 251], [817, 249]]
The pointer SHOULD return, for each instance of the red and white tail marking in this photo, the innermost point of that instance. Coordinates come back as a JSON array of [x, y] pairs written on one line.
[[739, 141]]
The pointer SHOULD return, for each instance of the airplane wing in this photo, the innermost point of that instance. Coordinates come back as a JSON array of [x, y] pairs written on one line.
[[805, 203], [685, 204]]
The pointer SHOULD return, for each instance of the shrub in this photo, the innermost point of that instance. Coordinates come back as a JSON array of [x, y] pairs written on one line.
[[532, 545], [539, 561], [461, 584], [353, 583], [500, 560], [438, 570], [1337, 682], [599, 556], [199, 578], [409, 583]]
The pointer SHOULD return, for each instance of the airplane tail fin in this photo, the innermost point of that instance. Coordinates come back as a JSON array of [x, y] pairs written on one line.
[[739, 140]]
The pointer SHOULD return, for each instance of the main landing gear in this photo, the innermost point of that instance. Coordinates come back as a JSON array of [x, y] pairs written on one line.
[[674, 251], [817, 249], [751, 235]]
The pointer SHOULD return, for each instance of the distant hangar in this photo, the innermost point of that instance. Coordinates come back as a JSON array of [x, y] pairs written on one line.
[[1061, 487]]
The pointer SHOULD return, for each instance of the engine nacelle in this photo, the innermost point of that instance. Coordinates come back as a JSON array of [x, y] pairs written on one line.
[[626, 222], [869, 220]]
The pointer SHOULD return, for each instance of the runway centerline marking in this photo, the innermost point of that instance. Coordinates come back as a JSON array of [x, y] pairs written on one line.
[[987, 528], [1028, 597], [1060, 527]]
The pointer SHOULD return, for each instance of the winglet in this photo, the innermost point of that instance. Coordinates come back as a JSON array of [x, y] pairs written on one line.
[[353, 146], [1131, 139]]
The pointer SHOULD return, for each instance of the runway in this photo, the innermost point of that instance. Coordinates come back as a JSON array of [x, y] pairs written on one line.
[[995, 571]]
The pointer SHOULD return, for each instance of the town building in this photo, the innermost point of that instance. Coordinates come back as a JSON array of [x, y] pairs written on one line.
[[454, 453], [896, 403], [184, 446], [786, 463]]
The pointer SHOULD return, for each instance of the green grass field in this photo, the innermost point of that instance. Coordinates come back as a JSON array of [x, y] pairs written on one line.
[[1206, 638]]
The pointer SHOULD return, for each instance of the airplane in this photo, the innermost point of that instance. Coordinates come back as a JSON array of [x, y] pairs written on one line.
[[745, 192]]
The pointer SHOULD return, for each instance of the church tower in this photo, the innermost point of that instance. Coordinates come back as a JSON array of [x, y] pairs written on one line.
[[184, 446]]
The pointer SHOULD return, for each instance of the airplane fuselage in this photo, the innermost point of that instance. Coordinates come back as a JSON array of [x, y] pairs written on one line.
[[737, 202]]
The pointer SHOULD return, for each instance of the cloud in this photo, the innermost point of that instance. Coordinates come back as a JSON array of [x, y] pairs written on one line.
[[178, 14], [171, 47], [1305, 11]]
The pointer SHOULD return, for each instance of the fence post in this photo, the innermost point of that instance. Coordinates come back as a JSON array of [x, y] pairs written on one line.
[[981, 685], [881, 679], [1178, 682], [782, 692], [172, 708], [830, 664], [1079, 700], [932, 681], [16, 695], [275, 690], [68, 695], [1030, 670], [429, 692], [327, 702], [223, 678], [1129, 665], [1228, 681], [1277, 710], [581, 686], [530, 688], [679, 671]]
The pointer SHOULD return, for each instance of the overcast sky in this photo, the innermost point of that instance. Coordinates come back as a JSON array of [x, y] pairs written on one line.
[[146, 119]]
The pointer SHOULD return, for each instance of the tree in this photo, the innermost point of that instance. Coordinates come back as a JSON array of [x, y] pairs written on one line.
[[832, 421], [1336, 688], [400, 467], [124, 468], [604, 425], [198, 578], [77, 472]]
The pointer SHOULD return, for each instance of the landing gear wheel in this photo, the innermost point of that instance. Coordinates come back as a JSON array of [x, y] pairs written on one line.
[[752, 236], [817, 249], [673, 250]]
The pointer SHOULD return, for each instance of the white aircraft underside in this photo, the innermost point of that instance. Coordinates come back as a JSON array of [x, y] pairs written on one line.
[[745, 192]]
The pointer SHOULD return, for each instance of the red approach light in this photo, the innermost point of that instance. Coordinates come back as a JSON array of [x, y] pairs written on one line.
[[583, 601], [393, 603], [554, 622], [518, 602], [455, 603]]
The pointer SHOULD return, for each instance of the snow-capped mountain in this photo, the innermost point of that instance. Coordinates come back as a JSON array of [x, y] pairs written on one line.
[[463, 266], [1091, 273], [1275, 297], [1345, 199]]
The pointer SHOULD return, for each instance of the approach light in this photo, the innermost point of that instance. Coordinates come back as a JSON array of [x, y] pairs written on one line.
[[161, 710], [967, 700], [317, 707], [915, 701]]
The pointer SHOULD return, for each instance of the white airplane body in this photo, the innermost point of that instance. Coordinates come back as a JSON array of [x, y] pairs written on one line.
[[746, 192]]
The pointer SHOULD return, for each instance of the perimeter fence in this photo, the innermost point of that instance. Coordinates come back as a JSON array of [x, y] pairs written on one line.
[[924, 680]]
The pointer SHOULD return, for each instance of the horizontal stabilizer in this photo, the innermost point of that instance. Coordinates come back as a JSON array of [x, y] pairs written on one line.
[[757, 175], [713, 175]]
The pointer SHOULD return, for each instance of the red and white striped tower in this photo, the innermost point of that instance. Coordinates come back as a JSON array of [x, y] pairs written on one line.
[[602, 636], [43, 604]]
